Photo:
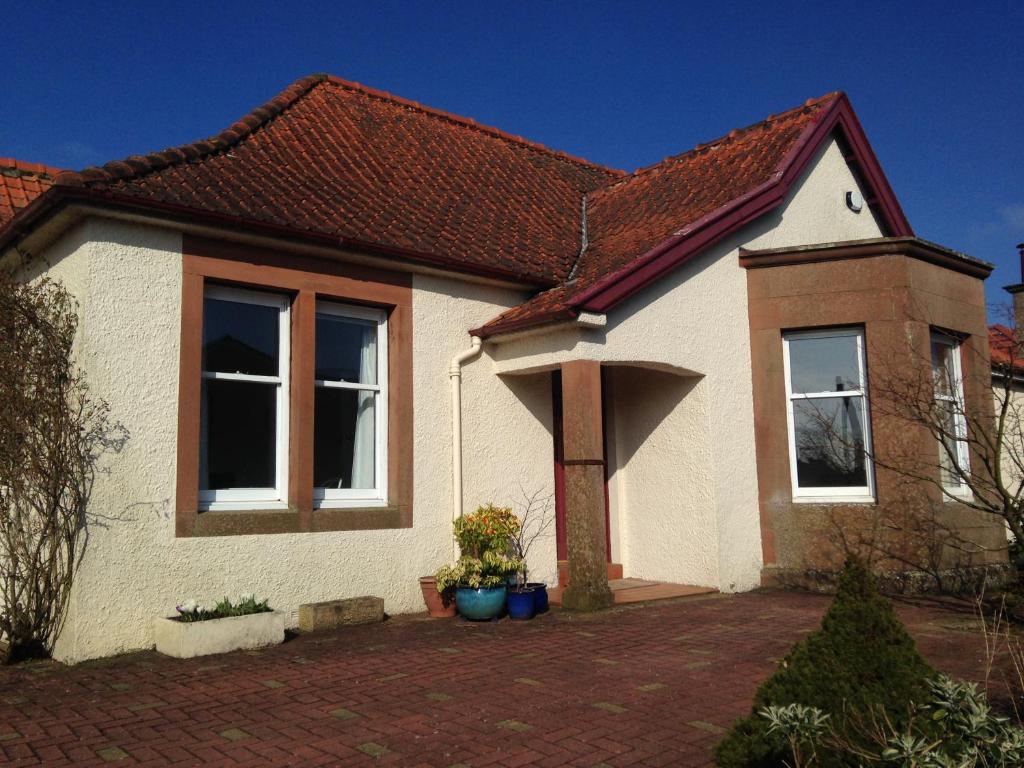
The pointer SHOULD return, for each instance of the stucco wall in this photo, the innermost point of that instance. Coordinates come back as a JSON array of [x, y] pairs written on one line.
[[135, 568], [1012, 456], [694, 321]]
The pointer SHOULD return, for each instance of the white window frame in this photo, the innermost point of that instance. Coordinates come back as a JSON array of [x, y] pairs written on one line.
[[341, 498], [850, 494], [959, 488], [255, 498]]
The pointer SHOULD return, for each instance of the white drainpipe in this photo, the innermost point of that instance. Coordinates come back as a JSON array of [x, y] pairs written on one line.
[[455, 376]]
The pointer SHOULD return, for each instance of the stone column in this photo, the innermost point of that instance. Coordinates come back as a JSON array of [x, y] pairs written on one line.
[[584, 487]]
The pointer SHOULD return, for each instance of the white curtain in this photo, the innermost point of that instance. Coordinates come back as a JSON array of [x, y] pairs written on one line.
[[364, 445]]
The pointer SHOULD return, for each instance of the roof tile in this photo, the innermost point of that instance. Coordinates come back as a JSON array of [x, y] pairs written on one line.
[[20, 184]]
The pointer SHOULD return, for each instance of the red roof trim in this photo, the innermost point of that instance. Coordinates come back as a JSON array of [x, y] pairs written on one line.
[[690, 241]]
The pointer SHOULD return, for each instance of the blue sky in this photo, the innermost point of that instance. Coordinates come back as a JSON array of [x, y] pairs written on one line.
[[939, 87]]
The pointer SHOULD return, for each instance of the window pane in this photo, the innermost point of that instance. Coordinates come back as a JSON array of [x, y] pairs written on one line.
[[346, 349], [344, 451], [823, 364], [239, 441], [240, 337], [943, 367], [946, 411], [830, 442]]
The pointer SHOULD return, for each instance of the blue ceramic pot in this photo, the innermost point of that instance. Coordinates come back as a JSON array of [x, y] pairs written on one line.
[[480, 604], [540, 596], [521, 604]]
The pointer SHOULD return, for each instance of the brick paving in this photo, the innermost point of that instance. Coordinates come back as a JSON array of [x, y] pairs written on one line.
[[643, 685]]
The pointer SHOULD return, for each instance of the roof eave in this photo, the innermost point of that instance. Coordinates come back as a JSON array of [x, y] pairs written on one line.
[[60, 196]]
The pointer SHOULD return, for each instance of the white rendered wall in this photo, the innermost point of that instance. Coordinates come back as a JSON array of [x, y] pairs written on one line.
[[128, 281], [687, 503]]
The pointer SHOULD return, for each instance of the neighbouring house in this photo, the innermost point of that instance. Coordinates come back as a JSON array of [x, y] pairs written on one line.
[[348, 317]]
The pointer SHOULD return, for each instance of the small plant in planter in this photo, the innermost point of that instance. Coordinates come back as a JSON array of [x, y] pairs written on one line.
[[229, 625], [192, 610], [480, 576]]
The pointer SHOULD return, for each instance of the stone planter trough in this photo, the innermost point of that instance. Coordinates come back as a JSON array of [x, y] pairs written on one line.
[[185, 639]]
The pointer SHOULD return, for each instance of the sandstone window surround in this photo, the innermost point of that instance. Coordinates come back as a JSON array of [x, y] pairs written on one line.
[[319, 353], [828, 416]]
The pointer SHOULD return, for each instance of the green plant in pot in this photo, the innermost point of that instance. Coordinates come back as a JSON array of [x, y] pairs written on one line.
[[480, 575]]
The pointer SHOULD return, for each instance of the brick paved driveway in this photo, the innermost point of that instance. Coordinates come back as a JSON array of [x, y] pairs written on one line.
[[645, 685]]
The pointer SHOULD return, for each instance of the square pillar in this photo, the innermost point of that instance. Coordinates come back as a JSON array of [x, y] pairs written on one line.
[[583, 445]]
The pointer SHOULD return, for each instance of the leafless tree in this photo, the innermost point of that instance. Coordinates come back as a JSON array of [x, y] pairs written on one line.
[[53, 433], [949, 427], [534, 510]]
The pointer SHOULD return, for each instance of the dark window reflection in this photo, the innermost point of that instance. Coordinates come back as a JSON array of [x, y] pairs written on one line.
[[343, 436], [239, 434], [830, 442], [240, 338], [346, 347]]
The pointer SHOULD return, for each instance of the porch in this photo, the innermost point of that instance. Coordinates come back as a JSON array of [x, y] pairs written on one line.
[[634, 508]]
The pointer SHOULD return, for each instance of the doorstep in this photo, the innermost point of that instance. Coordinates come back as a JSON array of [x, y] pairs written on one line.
[[639, 591]]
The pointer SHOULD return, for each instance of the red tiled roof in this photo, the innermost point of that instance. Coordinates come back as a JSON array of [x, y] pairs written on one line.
[[333, 157], [334, 161], [1004, 349], [20, 184], [629, 217]]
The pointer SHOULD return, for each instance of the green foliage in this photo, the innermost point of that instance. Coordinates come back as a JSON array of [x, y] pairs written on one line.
[[245, 605], [491, 570], [954, 728], [861, 660], [488, 529], [486, 538]]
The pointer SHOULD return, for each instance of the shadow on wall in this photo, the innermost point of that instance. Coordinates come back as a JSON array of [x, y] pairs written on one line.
[[533, 391], [643, 398]]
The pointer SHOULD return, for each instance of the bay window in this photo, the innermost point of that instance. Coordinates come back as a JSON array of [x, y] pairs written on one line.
[[827, 410]]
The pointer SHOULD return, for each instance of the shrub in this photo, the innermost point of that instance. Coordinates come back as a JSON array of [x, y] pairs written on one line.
[[954, 728], [488, 529], [861, 660], [486, 538]]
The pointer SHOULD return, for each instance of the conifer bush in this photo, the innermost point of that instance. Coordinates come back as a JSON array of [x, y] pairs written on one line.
[[862, 660]]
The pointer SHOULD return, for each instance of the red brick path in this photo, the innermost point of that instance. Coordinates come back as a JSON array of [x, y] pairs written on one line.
[[637, 686]]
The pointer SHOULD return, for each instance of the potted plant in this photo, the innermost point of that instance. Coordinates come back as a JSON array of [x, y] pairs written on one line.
[[230, 625], [480, 575], [534, 521], [440, 604]]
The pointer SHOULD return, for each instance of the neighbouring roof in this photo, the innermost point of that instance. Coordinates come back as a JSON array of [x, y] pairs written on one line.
[[1005, 349], [20, 184], [344, 164]]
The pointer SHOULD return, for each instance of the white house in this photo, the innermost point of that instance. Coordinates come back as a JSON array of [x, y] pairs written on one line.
[[273, 313]]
